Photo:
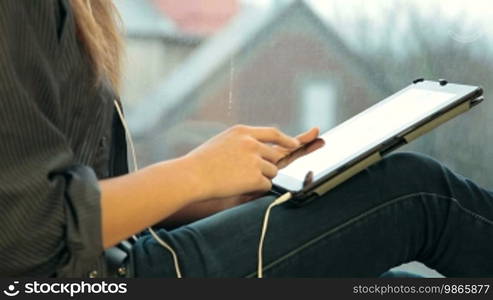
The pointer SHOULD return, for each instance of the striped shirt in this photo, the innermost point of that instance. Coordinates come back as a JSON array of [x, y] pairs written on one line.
[[59, 134]]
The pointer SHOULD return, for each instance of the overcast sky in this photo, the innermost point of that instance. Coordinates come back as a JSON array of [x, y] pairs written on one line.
[[480, 12], [482, 9]]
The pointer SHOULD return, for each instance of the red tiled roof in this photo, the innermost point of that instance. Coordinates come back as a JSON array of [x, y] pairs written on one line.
[[199, 17]]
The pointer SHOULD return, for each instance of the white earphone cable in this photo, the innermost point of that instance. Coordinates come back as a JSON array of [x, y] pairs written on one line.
[[285, 197], [135, 168]]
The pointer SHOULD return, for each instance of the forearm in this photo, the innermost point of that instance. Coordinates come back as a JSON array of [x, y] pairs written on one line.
[[138, 200]]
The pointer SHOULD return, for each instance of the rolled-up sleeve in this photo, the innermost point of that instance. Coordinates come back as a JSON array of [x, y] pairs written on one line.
[[50, 215]]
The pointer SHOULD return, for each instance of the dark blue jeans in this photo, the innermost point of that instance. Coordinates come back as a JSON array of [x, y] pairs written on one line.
[[406, 207]]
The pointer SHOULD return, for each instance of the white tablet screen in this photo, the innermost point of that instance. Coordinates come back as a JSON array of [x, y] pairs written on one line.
[[367, 130]]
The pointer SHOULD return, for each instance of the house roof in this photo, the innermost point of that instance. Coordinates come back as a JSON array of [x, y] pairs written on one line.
[[216, 53]]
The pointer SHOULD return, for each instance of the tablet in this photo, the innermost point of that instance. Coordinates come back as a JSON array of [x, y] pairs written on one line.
[[362, 140]]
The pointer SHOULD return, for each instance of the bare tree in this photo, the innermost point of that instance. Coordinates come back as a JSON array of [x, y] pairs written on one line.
[[409, 43]]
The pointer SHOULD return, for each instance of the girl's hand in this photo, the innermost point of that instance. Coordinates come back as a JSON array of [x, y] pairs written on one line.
[[238, 161], [199, 210]]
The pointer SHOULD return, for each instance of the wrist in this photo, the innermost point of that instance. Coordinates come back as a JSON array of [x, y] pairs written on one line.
[[193, 174]]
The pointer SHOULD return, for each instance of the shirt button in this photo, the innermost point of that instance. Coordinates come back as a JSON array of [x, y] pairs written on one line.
[[93, 274]]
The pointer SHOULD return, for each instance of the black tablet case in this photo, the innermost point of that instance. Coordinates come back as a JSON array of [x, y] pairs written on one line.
[[359, 164]]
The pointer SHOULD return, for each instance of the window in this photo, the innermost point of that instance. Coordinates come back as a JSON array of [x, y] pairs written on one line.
[[296, 64], [318, 105]]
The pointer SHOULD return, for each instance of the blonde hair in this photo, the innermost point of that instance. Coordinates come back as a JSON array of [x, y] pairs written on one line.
[[98, 29]]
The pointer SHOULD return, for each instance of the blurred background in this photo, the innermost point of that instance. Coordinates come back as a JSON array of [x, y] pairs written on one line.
[[196, 67]]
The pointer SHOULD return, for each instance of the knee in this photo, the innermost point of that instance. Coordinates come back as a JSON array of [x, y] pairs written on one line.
[[409, 160], [411, 167]]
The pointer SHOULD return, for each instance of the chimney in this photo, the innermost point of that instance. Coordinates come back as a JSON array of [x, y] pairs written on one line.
[[199, 17]]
